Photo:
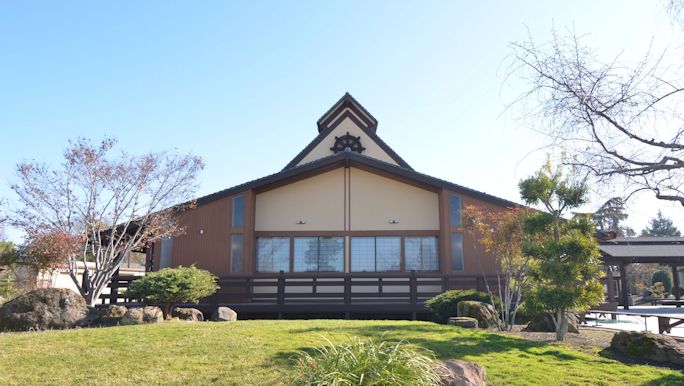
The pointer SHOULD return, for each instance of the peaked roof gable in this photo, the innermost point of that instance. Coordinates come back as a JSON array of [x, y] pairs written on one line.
[[346, 115], [345, 159]]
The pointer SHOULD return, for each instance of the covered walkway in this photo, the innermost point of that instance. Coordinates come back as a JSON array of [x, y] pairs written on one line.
[[618, 253]]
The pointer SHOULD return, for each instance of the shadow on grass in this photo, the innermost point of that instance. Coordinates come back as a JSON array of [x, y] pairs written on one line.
[[447, 343], [610, 354], [669, 380]]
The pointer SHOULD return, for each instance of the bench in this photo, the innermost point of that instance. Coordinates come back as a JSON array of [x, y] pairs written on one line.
[[669, 302]]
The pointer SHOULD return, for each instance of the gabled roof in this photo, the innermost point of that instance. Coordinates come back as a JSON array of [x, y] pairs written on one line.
[[351, 159], [347, 102], [347, 108], [643, 250]]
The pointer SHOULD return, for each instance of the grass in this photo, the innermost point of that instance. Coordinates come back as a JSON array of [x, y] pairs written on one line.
[[261, 352]]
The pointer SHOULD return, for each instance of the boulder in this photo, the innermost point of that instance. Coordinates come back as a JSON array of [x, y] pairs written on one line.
[[2, 300], [464, 322], [652, 347], [92, 317], [484, 313], [189, 314], [142, 315], [111, 315], [544, 323], [224, 314], [43, 309], [461, 373]]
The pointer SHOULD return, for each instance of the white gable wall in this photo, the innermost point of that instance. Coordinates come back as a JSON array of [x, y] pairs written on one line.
[[323, 148]]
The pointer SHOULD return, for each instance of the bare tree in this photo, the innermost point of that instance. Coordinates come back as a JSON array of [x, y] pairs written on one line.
[[619, 120], [110, 204]]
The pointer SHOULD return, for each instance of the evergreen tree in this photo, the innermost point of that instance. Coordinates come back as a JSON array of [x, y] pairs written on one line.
[[661, 226], [566, 269], [609, 216]]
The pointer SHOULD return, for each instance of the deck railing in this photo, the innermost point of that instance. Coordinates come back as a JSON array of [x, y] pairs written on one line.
[[331, 288]]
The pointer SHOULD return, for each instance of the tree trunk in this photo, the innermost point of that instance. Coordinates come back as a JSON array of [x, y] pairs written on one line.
[[561, 325]]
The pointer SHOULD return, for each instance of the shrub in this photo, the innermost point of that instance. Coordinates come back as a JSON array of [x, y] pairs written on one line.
[[443, 305], [173, 285], [664, 277], [360, 362], [527, 311]]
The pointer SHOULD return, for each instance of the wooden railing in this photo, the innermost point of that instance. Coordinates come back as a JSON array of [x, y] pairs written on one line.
[[331, 288]]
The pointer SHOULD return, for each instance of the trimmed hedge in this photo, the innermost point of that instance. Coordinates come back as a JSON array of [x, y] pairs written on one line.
[[443, 305]]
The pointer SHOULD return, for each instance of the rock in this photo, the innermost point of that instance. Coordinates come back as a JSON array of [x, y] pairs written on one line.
[[189, 314], [657, 348], [142, 315], [2, 300], [224, 314], [111, 315], [461, 373], [43, 309], [462, 321], [484, 313], [544, 323], [92, 317]]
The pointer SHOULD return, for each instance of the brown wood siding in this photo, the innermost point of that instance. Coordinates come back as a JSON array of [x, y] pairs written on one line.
[[475, 259], [210, 250]]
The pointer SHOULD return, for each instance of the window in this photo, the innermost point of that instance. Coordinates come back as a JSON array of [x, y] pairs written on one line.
[[236, 253], [457, 252], [375, 254], [421, 253], [324, 254], [455, 210], [166, 252], [238, 211], [273, 254]]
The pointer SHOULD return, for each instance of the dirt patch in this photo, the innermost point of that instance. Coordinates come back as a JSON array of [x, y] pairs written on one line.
[[590, 339]]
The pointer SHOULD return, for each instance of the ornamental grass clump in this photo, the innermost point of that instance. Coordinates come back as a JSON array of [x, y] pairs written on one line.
[[366, 362]]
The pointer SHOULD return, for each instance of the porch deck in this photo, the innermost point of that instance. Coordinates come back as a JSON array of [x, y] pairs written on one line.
[[343, 295]]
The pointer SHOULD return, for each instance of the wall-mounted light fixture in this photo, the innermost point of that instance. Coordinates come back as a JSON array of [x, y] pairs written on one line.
[[201, 231], [393, 221], [300, 222]]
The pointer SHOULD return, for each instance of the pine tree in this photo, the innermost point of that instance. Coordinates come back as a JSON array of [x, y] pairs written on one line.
[[609, 216], [661, 226]]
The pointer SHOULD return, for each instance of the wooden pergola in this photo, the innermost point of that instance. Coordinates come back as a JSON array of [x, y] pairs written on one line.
[[620, 252]]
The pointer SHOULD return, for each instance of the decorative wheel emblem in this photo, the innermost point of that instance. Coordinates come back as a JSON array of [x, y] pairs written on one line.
[[347, 142]]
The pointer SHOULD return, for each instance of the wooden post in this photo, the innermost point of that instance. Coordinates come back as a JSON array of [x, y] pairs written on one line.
[[347, 290], [625, 286], [675, 283], [610, 285], [281, 287], [114, 291], [413, 287]]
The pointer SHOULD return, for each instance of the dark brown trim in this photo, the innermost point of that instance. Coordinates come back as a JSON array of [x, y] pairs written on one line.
[[356, 160], [368, 131], [388, 232], [347, 101]]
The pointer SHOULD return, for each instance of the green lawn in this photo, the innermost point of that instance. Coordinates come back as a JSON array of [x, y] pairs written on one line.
[[259, 353]]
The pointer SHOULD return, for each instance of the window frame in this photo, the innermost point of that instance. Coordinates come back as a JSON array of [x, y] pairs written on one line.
[[232, 253], [461, 252], [375, 253], [318, 253], [421, 239], [455, 214], [237, 201]]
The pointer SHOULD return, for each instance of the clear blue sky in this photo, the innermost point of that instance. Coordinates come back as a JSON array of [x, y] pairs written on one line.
[[247, 80]]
